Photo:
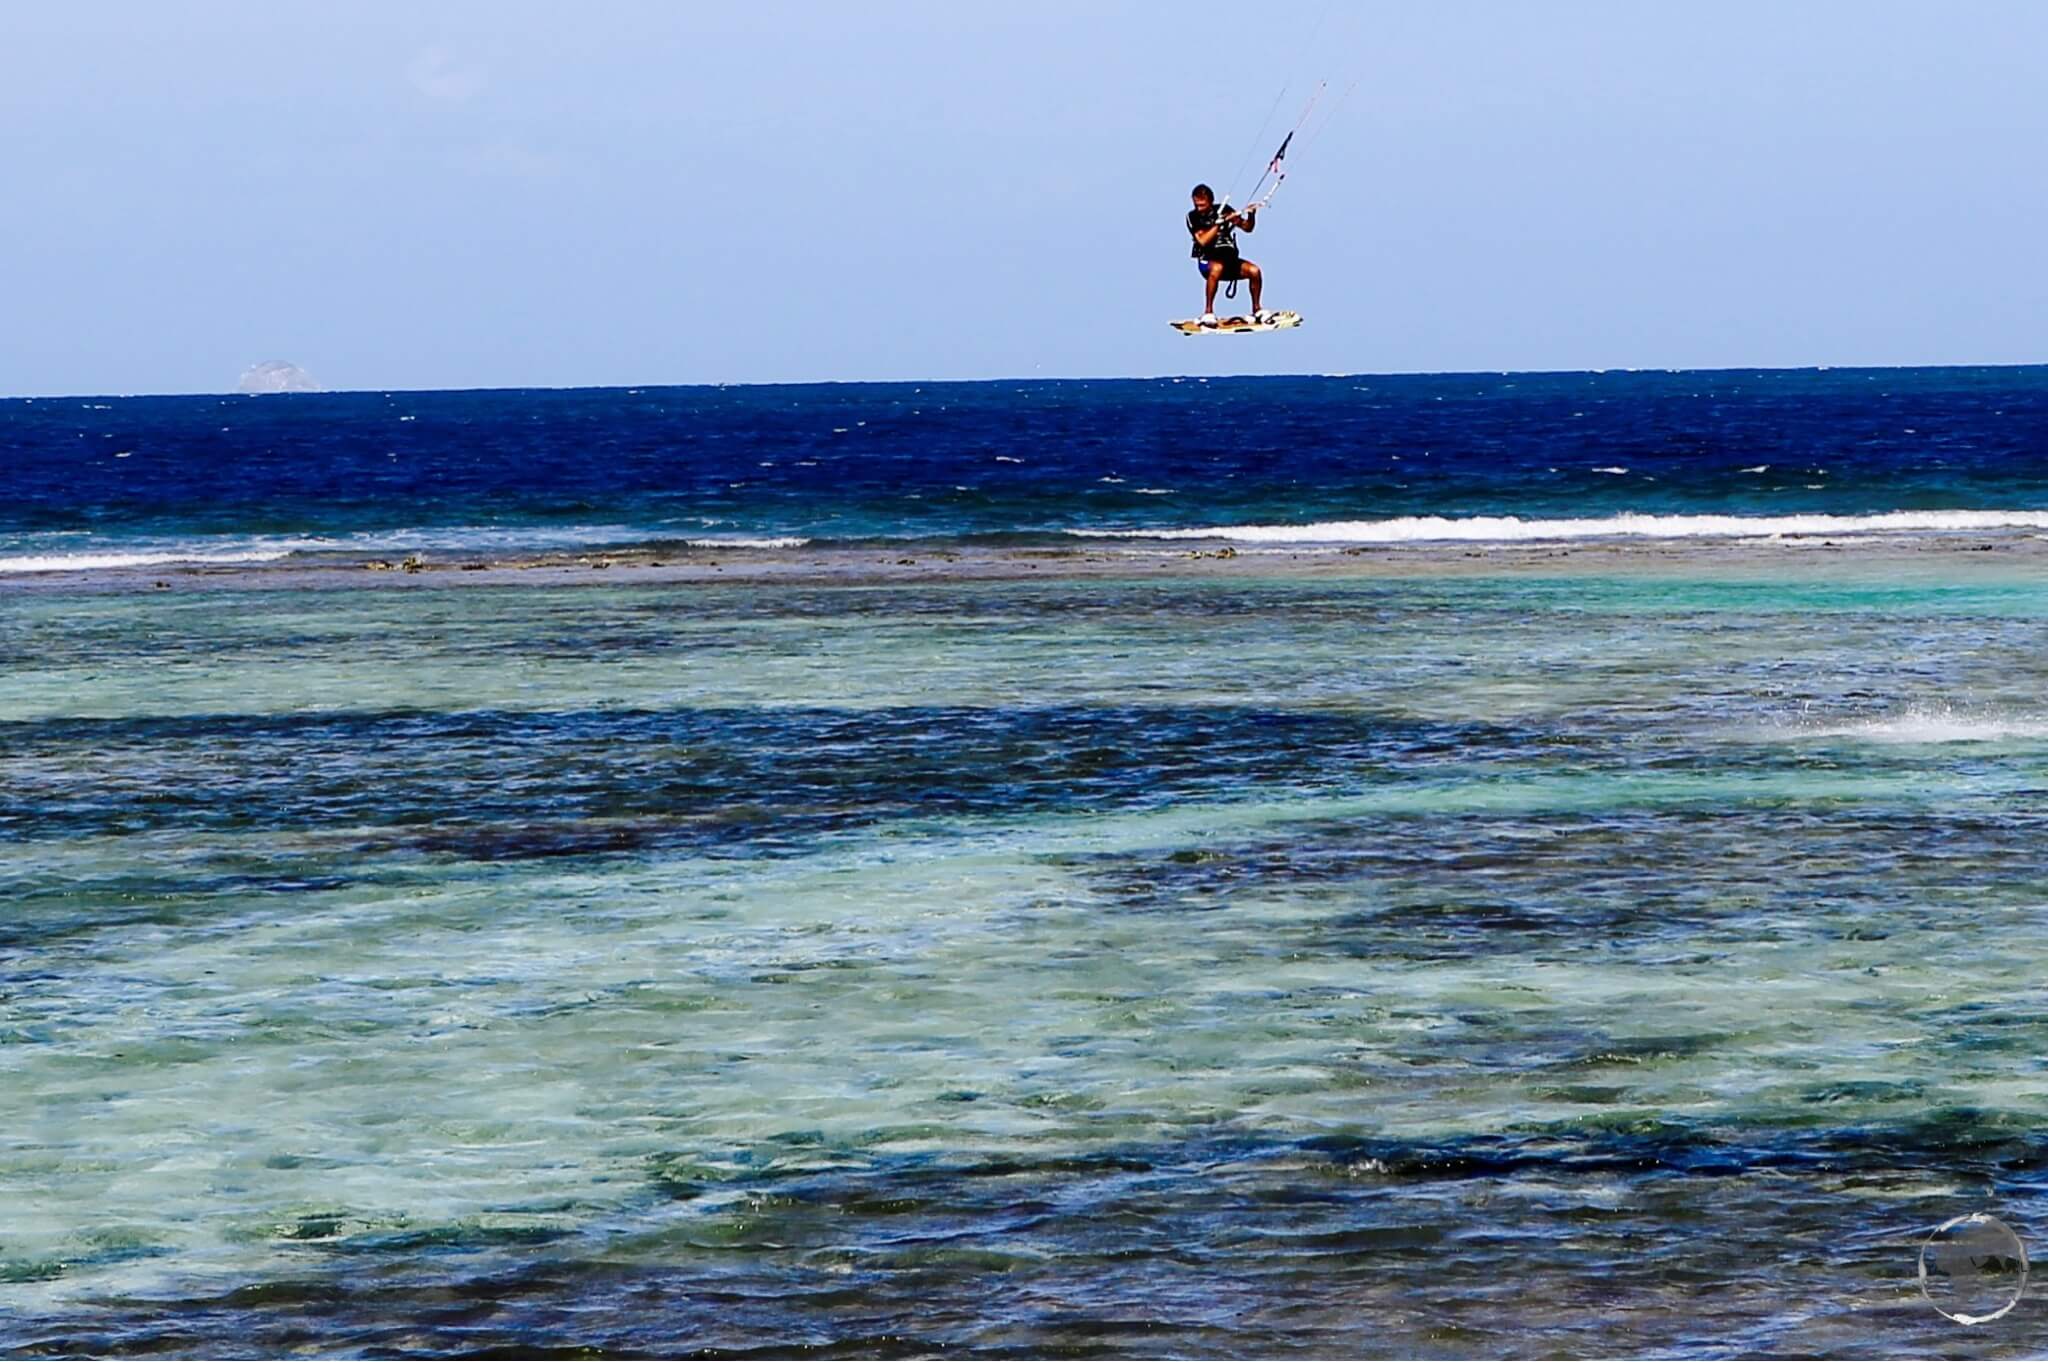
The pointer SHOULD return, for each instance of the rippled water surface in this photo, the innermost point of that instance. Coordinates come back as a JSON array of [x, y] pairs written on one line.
[[1352, 458], [1497, 965]]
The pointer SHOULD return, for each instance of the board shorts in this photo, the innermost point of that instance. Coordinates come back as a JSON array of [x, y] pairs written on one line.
[[1232, 262]]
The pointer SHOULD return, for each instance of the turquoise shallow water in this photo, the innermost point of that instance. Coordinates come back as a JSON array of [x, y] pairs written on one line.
[[1496, 965]]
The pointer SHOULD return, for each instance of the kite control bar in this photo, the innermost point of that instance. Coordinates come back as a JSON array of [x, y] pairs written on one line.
[[1277, 170]]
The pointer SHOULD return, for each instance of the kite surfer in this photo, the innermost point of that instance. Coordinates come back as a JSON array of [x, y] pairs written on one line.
[[1214, 226], [1214, 229]]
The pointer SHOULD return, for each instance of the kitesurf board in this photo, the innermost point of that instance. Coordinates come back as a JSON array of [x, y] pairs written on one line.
[[1238, 326]]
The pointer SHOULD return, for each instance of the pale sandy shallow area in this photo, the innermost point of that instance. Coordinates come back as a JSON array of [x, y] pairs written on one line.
[[2010, 553]]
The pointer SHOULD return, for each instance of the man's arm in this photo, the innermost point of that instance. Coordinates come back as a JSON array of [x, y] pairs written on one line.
[[1208, 235], [1248, 221]]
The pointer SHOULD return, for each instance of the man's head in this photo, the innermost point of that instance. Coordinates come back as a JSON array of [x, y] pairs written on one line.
[[1205, 198]]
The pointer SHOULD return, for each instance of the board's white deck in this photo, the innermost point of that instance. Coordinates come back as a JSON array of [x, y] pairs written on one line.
[[1237, 326]]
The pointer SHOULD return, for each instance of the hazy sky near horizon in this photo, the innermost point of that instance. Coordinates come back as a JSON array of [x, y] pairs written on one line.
[[503, 193]]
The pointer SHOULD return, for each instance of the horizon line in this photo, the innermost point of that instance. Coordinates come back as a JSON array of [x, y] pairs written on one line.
[[1063, 378]]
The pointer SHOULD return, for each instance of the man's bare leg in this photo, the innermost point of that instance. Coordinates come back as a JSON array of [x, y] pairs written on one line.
[[1209, 287], [1256, 280]]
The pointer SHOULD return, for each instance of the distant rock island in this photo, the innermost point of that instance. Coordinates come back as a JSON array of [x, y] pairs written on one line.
[[276, 376]]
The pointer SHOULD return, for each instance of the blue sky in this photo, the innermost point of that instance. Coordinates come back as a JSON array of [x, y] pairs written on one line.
[[486, 194]]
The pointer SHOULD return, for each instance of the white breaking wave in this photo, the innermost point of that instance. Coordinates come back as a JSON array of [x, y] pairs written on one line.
[[1935, 724], [85, 562], [1497, 529], [484, 538], [452, 540], [740, 542], [54, 554]]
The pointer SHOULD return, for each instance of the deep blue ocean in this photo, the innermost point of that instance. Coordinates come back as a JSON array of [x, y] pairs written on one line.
[[1624, 944], [1344, 459]]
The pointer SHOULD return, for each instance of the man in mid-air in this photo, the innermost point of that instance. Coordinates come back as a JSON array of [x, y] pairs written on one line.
[[1215, 251]]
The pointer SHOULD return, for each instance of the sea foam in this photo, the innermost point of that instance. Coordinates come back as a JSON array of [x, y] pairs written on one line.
[[1934, 724], [85, 562], [200, 550], [742, 542], [1424, 529]]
